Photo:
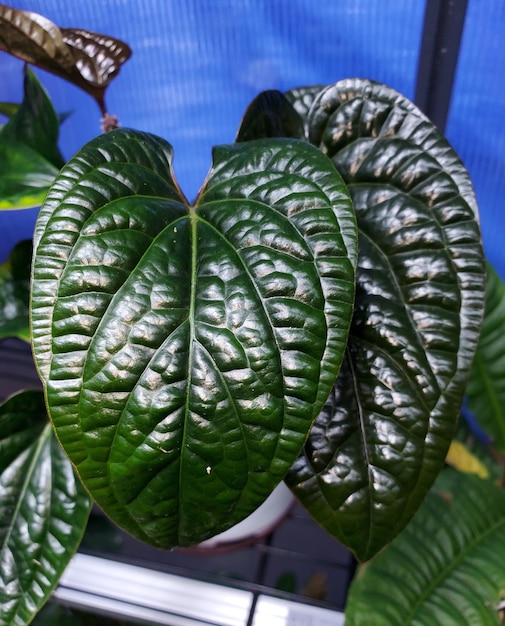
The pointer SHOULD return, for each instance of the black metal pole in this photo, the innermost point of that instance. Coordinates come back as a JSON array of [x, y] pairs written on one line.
[[443, 28]]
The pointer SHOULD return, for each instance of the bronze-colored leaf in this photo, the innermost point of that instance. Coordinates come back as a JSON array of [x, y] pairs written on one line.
[[34, 39], [97, 57], [86, 59]]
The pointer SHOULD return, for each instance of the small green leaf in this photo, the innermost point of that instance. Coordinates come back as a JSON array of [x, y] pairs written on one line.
[[35, 123], [486, 387], [445, 568], [8, 109], [25, 176], [15, 292], [43, 508], [29, 149], [384, 433], [186, 350]]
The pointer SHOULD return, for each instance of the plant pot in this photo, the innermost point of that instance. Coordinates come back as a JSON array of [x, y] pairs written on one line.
[[254, 527]]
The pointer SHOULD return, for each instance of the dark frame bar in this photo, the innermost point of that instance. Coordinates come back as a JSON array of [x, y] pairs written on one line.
[[444, 21]]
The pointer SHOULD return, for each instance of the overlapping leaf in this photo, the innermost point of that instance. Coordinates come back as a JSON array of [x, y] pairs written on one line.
[[270, 115], [29, 151], [386, 428], [15, 292], [445, 568], [43, 509], [302, 99], [486, 388], [186, 350], [35, 123]]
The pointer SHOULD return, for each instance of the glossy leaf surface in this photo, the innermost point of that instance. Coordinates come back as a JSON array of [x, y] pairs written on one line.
[[486, 387], [15, 292], [185, 349], [29, 151], [445, 568], [302, 99], [384, 433], [43, 508], [86, 59]]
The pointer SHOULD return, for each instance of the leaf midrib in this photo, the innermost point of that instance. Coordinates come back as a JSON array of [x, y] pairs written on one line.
[[42, 438], [451, 567]]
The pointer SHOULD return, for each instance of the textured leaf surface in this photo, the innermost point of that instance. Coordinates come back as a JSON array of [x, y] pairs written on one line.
[[302, 99], [15, 292], [445, 568], [185, 349], [88, 60], [43, 508], [384, 433], [486, 387]]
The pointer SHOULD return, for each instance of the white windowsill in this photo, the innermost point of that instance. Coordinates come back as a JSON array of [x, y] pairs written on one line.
[[123, 590]]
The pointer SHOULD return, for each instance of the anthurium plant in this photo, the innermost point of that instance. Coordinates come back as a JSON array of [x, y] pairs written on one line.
[[311, 317]]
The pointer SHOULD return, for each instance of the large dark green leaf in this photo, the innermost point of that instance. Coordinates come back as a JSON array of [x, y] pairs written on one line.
[[43, 508], [185, 349], [445, 568], [88, 60], [384, 433], [15, 292], [486, 387]]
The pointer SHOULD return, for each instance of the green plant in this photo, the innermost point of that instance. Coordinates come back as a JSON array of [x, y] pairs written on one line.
[[312, 317]]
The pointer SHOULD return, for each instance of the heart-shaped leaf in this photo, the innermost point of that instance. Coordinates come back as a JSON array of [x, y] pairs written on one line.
[[15, 292], [186, 350], [86, 59], [43, 508], [445, 568], [386, 428], [486, 387]]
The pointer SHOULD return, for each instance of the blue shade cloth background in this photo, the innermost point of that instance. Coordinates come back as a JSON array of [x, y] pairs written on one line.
[[197, 64]]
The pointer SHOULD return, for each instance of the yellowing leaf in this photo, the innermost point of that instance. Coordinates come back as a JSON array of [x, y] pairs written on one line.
[[460, 457]]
